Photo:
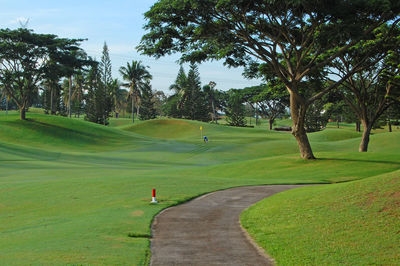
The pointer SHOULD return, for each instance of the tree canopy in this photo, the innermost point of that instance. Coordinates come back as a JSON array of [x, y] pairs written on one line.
[[27, 57]]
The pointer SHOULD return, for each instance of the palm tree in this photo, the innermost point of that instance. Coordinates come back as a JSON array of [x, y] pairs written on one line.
[[136, 76], [78, 89], [117, 96], [181, 89]]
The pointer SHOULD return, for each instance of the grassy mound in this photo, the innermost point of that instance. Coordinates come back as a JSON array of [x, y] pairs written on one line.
[[165, 129], [333, 134], [353, 223], [121, 122], [59, 133]]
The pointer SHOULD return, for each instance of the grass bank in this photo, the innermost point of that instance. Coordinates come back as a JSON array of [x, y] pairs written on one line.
[[355, 223]]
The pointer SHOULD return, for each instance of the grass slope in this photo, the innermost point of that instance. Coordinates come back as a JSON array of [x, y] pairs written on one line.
[[51, 132], [71, 192], [354, 223]]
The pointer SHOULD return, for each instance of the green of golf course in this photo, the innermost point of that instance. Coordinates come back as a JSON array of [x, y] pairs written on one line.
[[74, 192]]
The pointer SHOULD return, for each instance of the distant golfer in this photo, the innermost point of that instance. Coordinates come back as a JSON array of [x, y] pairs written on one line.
[[205, 139]]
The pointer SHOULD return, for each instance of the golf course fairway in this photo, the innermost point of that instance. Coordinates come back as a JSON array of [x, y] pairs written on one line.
[[74, 192]]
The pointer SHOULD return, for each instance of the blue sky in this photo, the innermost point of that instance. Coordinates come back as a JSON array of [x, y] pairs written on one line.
[[117, 22]]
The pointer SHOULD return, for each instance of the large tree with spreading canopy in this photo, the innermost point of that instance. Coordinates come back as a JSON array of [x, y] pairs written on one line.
[[293, 37]]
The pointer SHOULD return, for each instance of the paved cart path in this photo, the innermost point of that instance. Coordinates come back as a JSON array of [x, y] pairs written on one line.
[[206, 230]]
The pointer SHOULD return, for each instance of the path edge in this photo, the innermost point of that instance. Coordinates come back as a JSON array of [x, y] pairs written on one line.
[[259, 249]]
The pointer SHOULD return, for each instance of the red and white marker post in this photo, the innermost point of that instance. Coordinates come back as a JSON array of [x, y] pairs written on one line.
[[153, 199]]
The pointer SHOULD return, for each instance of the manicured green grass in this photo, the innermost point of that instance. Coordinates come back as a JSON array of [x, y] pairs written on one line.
[[354, 223], [73, 192]]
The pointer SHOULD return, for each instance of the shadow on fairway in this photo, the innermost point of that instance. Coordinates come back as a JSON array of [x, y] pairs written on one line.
[[360, 161]]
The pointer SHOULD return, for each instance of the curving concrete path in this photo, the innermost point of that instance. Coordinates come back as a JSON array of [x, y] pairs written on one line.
[[206, 230]]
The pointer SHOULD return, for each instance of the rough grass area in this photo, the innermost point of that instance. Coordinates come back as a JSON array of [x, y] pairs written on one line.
[[356, 223], [73, 192]]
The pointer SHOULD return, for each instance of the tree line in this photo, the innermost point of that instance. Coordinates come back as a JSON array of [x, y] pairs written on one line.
[[57, 75]]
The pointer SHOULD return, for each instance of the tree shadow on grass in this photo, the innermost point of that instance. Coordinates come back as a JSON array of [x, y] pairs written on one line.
[[359, 160]]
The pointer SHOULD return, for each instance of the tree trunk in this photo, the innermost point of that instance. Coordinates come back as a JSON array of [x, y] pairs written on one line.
[[256, 114], [51, 102], [22, 113], [271, 122], [133, 110], [365, 136], [358, 126], [337, 123], [69, 96], [6, 105], [390, 125], [213, 108], [298, 111]]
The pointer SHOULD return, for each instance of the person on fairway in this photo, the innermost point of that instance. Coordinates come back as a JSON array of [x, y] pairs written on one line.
[[205, 139]]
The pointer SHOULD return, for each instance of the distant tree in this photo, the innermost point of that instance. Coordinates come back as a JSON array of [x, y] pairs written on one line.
[[371, 90], [318, 116], [181, 94], [266, 100], [196, 106], [190, 100], [159, 100], [65, 106], [170, 108], [95, 99], [51, 87], [118, 97], [136, 75], [210, 94], [235, 113], [107, 80], [5, 100], [220, 100], [337, 111], [105, 66], [393, 115], [78, 92], [147, 103]]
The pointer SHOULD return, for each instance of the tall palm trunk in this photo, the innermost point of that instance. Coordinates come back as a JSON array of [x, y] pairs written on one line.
[[69, 96], [51, 101], [137, 106], [6, 105], [133, 110]]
